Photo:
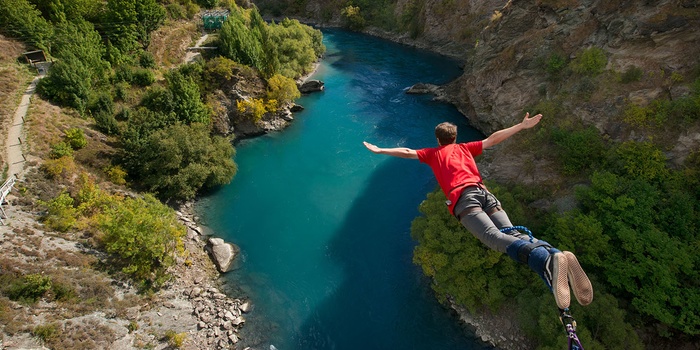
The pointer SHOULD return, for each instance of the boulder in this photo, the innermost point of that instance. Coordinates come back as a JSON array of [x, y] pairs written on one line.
[[421, 88], [311, 86], [222, 253]]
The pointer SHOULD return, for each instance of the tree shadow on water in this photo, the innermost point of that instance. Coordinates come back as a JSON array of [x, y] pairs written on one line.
[[384, 301]]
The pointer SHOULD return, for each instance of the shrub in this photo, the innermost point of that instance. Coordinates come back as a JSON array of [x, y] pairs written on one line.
[[55, 168], [106, 123], [61, 149], [116, 174], [76, 138], [180, 160], [174, 339], [61, 215], [591, 62], [352, 17], [255, 108], [146, 60], [143, 77], [46, 332], [144, 236], [578, 151], [631, 74], [282, 89], [643, 160], [133, 326], [555, 65], [29, 288]]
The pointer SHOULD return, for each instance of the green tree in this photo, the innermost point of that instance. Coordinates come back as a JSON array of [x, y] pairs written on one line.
[[129, 23], [145, 237], [461, 267], [187, 103], [69, 83], [20, 19], [282, 89], [298, 46], [238, 42], [178, 161]]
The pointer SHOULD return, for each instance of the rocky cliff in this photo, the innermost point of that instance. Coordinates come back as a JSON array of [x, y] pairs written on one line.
[[504, 72], [505, 46]]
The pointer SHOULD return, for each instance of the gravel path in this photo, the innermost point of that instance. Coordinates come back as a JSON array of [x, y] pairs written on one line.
[[15, 146]]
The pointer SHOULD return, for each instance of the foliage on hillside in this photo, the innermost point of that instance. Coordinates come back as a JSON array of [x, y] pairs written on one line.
[[156, 135], [632, 231], [288, 48]]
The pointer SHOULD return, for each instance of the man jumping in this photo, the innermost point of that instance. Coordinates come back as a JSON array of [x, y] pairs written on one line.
[[481, 213]]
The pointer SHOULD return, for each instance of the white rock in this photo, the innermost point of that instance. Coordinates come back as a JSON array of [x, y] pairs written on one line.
[[245, 307], [238, 320]]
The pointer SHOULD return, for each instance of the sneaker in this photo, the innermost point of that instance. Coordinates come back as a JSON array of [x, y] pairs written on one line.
[[580, 284], [555, 275]]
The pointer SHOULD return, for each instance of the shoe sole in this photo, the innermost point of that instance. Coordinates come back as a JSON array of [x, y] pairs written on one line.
[[581, 285], [560, 281]]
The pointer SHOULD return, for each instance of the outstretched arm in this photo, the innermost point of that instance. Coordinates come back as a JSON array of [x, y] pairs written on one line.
[[401, 152], [501, 135]]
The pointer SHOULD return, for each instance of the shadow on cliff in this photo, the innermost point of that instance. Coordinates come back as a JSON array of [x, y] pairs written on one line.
[[384, 301]]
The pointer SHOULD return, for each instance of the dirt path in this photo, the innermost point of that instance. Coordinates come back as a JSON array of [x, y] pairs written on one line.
[[191, 55], [14, 143]]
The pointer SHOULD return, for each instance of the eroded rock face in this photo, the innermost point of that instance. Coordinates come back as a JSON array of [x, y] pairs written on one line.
[[503, 75]]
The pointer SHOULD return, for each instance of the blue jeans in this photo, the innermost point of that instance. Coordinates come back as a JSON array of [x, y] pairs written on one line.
[[483, 216]]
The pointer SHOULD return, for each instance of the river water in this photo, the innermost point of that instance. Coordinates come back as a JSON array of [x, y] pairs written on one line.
[[324, 224]]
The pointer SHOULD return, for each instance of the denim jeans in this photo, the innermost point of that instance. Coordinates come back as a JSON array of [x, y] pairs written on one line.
[[483, 226]]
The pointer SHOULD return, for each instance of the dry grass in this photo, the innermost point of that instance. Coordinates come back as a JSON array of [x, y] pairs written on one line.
[[169, 43], [14, 79]]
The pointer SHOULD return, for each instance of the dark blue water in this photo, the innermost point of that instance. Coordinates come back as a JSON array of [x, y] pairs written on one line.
[[324, 224]]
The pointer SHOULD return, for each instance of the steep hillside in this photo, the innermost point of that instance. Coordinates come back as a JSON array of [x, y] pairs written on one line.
[[618, 83]]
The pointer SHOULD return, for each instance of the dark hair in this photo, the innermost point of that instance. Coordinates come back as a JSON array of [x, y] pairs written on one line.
[[446, 133]]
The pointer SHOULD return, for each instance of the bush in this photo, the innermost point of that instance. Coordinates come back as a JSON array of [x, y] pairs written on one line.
[[180, 160], [60, 215], [145, 236], [176, 340], [591, 62], [116, 174], [46, 332], [61, 149], [106, 123], [55, 168], [631, 74], [29, 288], [352, 18], [68, 83], [554, 66], [143, 77], [146, 60], [255, 108], [578, 151], [642, 160], [282, 89], [76, 138]]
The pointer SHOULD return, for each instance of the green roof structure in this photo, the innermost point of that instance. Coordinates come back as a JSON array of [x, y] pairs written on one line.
[[213, 19]]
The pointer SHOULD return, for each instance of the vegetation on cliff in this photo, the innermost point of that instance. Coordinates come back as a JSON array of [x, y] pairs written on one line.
[[617, 97], [123, 120]]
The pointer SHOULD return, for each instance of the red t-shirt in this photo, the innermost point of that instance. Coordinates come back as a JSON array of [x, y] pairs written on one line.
[[454, 167]]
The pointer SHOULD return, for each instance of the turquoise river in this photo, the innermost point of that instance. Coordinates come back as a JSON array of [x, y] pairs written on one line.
[[324, 225]]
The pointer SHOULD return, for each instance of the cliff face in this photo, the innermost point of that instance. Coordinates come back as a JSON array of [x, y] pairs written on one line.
[[504, 73], [505, 45]]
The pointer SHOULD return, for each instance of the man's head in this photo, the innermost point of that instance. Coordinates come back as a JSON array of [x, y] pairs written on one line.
[[446, 133]]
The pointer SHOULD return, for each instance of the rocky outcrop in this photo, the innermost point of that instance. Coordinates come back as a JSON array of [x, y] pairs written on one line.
[[223, 254], [505, 73], [311, 86]]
